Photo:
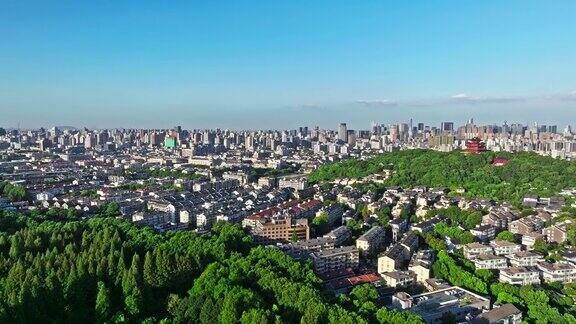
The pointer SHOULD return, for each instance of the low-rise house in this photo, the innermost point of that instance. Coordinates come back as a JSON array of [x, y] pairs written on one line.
[[520, 275], [344, 284], [434, 284], [552, 204], [530, 200], [490, 261]]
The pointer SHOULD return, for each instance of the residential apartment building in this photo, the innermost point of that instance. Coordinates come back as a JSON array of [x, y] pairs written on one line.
[[484, 232], [563, 272], [520, 275], [334, 213], [490, 261], [421, 271], [557, 232], [340, 235], [399, 278], [280, 228], [371, 241], [505, 314], [528, 224], [335, 259], [524, 258], [499, 218], [393, 259], [529, 239], [474, 249], [504, 247]]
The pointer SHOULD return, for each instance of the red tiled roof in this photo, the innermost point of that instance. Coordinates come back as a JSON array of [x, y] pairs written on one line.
[[291, 207], [354, 281], [499, 161]]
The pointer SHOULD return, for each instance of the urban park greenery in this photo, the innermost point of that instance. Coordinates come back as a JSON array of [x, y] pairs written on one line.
[[13, 192], [524, 173]]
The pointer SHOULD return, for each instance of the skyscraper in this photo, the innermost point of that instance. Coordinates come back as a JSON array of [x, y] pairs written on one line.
[[343, 132], [447, 127]]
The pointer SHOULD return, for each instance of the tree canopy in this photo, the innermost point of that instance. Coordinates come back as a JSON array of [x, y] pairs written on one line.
[[58, 269], [524, 173]]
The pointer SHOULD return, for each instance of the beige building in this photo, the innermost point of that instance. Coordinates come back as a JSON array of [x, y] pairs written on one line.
[[281, 229], [371, 241], [399, 278], [489, 261], [524, 258], [391, 260], [563, 272], [474, 249], [422, 273], [520, 275], [504, 247]]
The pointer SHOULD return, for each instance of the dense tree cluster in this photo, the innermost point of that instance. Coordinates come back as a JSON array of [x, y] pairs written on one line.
[[55, 269], [13, 192], [550, 305], [363, 300], [320, 224], [524, 173], [467, 219], [448, 268], [270, 172], [506, 236], [455, 233]]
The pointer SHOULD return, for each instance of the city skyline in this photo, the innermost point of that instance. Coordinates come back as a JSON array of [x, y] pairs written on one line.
[[411, 121], [140, 64]]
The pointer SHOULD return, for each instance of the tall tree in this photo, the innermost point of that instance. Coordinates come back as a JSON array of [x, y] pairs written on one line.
[[103, 307]]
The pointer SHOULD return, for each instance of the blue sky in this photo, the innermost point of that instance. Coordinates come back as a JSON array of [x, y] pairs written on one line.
[[265, 64]]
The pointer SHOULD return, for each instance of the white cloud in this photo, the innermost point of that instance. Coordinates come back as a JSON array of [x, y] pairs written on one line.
[[569, 96], [465, 98], [377, 103]]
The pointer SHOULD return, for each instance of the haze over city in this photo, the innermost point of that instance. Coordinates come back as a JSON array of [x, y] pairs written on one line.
[[279, 65]]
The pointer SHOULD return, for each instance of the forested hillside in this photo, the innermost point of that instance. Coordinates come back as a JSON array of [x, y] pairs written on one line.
[[525, 172], [107, 270]]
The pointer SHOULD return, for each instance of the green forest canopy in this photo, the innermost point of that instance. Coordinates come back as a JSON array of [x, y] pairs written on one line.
[[107, 270], [524, 173]]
